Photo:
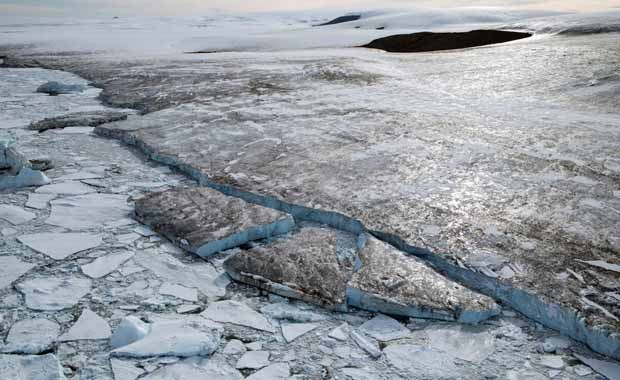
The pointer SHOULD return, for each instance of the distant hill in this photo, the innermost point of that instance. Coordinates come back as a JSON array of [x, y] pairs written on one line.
[[341, 19]]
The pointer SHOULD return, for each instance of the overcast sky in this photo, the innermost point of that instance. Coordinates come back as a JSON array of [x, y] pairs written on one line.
[[195, 7]]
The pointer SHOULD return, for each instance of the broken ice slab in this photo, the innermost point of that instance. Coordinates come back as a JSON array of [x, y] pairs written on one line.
[[214, 368], [237, 313], [181, 338], [12, 268], [107, 264], [59, 246], [473, 344], [78, 119], [25, 178], [89, 326], [200, 275], [392, 282], [277, 371], [418, 362], [87, 211], [15, 215], [53, 293], [66, 188], [610, 370], [16, 171], [304, 266], [31, 336], [205, 221], [54, 88], [27, 367], [292, 331]]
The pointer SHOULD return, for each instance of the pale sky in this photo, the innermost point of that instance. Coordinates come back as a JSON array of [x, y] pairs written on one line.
[[197, 7]]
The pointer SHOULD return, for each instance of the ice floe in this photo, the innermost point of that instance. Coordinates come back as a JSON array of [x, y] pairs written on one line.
[[54, 293], [182, 338], [89, 326], [31, 336], [237, 313], [107, 264], [59, 246]]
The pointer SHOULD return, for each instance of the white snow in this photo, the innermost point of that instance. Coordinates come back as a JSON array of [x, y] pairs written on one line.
[[89, 326], [15, 215], [130, 330], [292, 331], [39, 201], [179, 291], [384, 328], [12, 268], [87, 211], [182, 338], [54, 293], [31, 336], [253, 360], [107, 264], [59, 246], [237, 313]]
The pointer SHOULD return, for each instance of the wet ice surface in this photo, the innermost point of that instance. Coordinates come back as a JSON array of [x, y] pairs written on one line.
[[299, 338]]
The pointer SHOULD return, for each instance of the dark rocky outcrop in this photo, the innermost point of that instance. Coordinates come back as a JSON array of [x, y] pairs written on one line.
[[428, 41], [341, 19], [79, 119]]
